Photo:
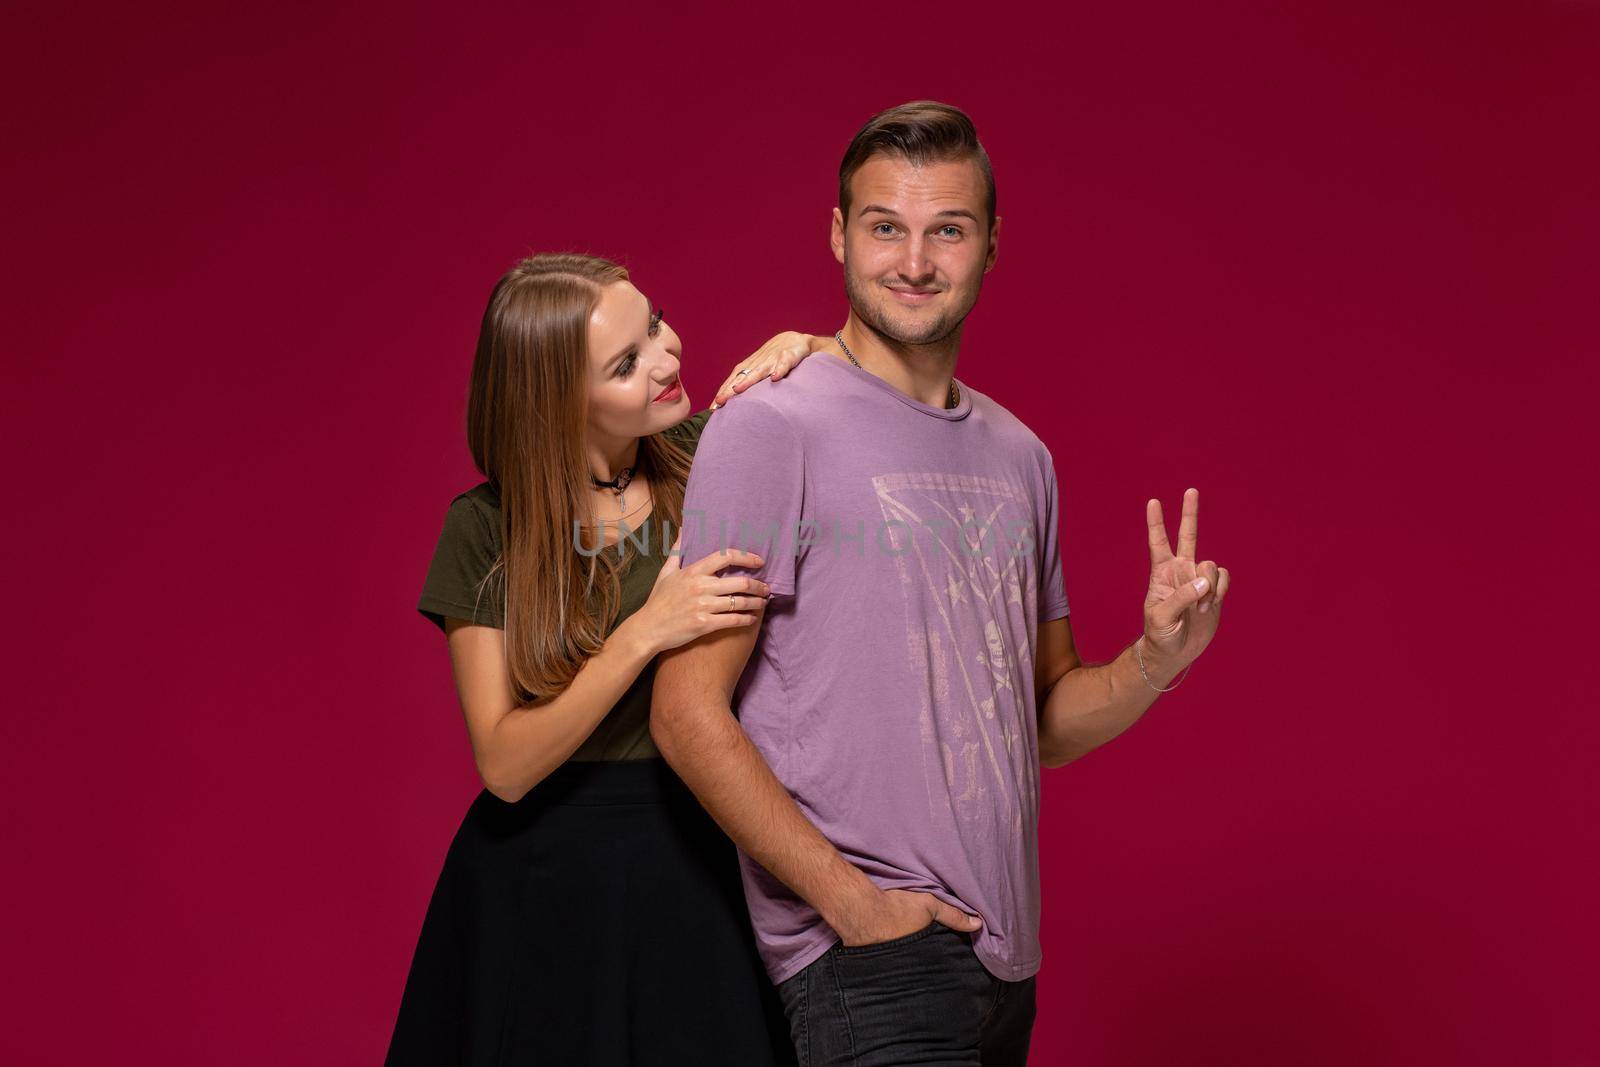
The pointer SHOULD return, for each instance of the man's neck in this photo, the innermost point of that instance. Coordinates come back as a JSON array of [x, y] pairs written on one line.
[[922, 372]]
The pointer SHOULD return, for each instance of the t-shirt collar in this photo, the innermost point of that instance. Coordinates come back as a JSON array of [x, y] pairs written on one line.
[[962, 409]]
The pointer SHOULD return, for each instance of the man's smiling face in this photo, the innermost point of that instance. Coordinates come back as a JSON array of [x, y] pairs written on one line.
[[916, 246]]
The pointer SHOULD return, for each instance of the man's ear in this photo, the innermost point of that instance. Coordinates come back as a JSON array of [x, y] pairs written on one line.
[[836, 237], [994, 244]]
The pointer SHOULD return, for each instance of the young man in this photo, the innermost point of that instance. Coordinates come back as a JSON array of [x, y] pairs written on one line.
[[914, 666]]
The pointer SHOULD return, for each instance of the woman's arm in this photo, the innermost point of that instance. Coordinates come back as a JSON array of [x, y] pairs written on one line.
[[516, 746]]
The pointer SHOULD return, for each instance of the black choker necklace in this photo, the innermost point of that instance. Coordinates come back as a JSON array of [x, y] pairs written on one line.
[[619, 483]]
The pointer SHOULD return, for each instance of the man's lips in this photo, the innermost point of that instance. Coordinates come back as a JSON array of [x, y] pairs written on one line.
[[914, 296], [671, 392]]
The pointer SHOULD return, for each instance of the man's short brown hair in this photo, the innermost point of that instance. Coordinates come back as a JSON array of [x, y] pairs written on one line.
[[920, 132]]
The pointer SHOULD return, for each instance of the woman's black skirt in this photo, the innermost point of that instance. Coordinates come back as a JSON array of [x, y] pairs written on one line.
[[598, 920]]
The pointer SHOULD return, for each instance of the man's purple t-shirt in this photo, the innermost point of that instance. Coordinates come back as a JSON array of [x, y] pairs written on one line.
[[912, 554]]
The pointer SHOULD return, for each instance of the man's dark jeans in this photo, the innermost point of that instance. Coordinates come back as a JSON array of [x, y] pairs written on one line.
[[924, 998]]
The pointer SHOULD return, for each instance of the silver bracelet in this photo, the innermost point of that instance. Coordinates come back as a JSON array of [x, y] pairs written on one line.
[[1140, 656]]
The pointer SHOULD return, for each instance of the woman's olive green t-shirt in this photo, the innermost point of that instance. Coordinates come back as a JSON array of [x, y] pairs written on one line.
[[455, 587]]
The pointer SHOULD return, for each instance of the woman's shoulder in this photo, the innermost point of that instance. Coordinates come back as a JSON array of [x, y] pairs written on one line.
[[458, 580], [483, 498], [474, 514], [687, 433]]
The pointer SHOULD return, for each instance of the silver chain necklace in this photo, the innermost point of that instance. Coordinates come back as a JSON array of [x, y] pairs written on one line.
[[955, 397]]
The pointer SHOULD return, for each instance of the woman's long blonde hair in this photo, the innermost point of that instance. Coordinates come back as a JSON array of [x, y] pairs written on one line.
[[527, 417]]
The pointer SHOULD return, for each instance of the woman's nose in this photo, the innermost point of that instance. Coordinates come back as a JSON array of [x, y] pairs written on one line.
[[666, 367]]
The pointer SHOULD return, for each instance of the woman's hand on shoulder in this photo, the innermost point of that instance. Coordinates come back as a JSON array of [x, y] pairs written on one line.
[[687, 603], [772, 360]]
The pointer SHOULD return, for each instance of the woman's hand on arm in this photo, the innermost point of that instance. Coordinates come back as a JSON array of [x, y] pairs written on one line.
[[687, 603], [772, 360]]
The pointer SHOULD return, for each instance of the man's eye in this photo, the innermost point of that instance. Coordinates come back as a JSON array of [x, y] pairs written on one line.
[[951, 231], [881, 227]]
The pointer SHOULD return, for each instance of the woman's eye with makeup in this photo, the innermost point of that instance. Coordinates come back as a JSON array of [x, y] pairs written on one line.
[[625, 368], [655, 321]]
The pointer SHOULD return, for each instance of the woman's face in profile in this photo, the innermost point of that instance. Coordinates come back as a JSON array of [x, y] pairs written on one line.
[[633, 366]]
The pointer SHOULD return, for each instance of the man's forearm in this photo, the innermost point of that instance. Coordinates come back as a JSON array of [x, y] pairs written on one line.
[[1090, 705], [724, 769]]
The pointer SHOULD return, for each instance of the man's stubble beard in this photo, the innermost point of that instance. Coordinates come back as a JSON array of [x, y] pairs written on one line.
[[860, 293]]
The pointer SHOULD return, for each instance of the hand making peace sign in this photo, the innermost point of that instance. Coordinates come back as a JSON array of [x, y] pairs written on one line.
[[1180, 620]]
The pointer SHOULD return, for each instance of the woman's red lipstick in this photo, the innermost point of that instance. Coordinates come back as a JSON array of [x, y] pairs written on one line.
[[670, 393]]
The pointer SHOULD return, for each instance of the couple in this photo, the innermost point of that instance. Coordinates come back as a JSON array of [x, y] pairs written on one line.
[[773, 797]]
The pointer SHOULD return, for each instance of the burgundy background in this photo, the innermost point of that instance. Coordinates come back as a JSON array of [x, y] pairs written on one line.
[[1333, 264]]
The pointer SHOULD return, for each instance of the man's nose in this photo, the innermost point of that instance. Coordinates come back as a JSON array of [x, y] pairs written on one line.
[[915, 266]]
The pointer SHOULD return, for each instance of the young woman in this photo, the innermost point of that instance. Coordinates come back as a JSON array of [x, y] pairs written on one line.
[[589, 911]]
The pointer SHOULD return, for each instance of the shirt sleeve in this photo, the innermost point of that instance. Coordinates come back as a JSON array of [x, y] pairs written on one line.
[[747, 490], [1052, 586], [456, 584]]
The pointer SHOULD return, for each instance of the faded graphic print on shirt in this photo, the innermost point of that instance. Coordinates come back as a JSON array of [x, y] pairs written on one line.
[[965, 551]]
